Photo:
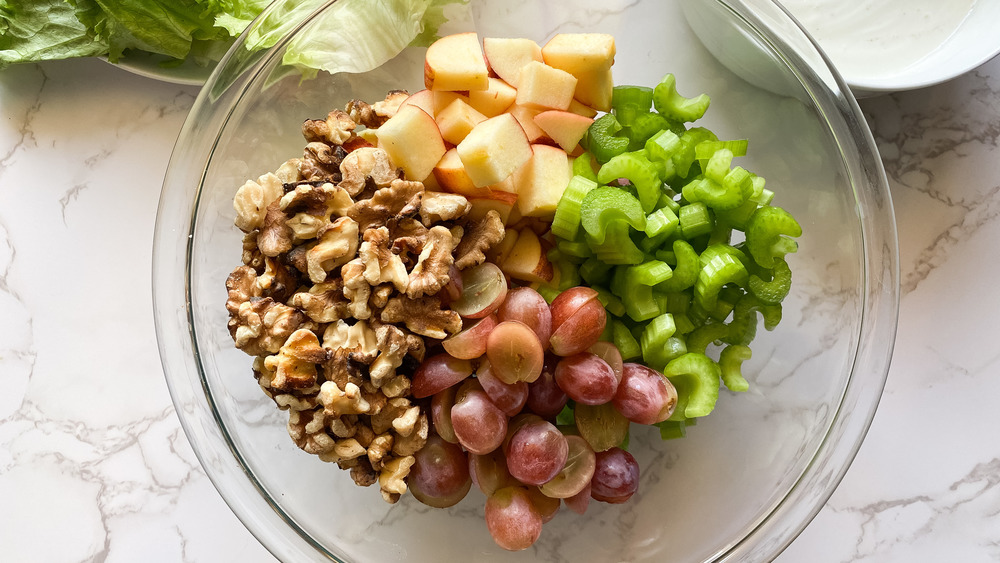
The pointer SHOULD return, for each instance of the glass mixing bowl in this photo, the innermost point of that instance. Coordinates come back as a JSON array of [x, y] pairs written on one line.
[[743, 482]]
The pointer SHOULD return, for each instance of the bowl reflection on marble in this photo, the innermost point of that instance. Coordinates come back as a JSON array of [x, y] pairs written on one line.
[[744, 481]]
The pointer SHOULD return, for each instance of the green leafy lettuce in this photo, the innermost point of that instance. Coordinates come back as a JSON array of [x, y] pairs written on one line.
[[202, 30]]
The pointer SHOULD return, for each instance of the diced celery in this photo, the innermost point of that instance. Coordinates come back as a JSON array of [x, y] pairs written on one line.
[[623, 339], [671, 104], [767, 235], [730, 363], [697, 379], [566, 221], [640, 173], [695, 220], [650, 273]]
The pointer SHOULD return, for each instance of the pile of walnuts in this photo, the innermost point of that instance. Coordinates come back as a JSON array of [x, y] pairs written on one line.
[[340, 292]]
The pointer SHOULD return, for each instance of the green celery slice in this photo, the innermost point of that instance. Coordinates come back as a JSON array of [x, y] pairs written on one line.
[[774, 291], [767, 235], [639, 171], [604, 206], [650, 273], [695, 220], [623, 339], [730, 363], [602, 140], [668, 102], [720, 270], [566, 221], [583, 166], [697, 379], [686, 270]]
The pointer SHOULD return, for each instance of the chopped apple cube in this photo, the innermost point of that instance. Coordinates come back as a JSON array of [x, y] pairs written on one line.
[[455, 63], [563, 127], [580, 52], [526, 117], [527, 260], [456, 120], [412, 140], [542, 86], [506, 56], [542, 181], [501, 202], [576, 107], [494, 149], [502, 249], [423, 99], [493, 100], [451, 175], [442, 100], [594, 89]]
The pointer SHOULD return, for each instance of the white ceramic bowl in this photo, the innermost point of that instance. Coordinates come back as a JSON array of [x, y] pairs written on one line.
[[895, 45]]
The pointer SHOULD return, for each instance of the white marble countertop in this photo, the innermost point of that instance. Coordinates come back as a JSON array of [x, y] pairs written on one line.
[[94, 466]]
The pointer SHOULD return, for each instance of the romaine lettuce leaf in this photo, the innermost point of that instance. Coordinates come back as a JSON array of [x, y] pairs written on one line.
[[37, 30]]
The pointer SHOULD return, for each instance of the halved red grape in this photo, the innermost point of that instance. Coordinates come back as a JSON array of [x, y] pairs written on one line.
[[608, 352], [514, 352], [577, 472], [545, 397], [601, 425], [479, 425], [616, 477], [645, 396], [578, 503], [586, 378], [510, 397], [453, 290], [470, 343], [545, 506], [578, 319], [438, 373], [528, 306], [484, 288], [489, 471], [536, 453], [440, 473], [441, 404], [512, 519]]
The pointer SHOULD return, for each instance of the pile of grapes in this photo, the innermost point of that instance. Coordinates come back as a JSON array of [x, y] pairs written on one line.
[[506, 428]]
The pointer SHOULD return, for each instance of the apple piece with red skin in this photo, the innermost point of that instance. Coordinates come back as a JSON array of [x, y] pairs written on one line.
[[564, 127], [525, 116], [493, 100], [578, 108], [542, 180], [500, 251], [578, 319], [527, 260], [494, 149], [455, 63], [413, 141], [501, 202], [424, 99], [506, 56]]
